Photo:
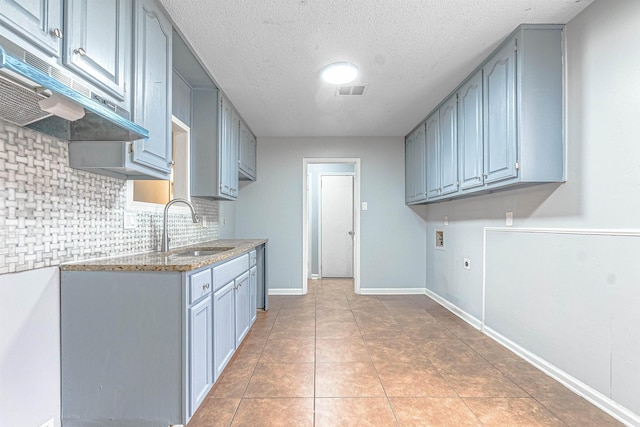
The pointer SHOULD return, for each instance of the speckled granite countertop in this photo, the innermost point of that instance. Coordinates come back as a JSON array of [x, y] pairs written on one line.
[[167, 261]]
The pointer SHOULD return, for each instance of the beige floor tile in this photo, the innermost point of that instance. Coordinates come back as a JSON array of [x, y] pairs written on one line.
[[397, 350], [288, 351], [324, 315], [233, 381], [337, 330], [426, 331], [448, 351], [532, 380], [412, 380], [576, 411], [382, 331], [336, 304], [274, 412], [293, 331], [480, 380], [342, 350], [514, 412], [490, 350], [214, 413], [281, 380], [347, 380], [347, 412], [436, 412]]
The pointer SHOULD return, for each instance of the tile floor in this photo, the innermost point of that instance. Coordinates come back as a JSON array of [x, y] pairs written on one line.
[[333, 358]]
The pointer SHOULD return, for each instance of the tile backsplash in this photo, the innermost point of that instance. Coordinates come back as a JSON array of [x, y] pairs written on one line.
[[51, 213]]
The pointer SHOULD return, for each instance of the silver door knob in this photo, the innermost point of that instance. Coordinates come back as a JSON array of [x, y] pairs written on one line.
[[56, 32], [352, 233], [80, 51]]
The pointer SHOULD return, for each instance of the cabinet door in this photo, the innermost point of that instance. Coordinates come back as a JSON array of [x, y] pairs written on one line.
[[419, 166], [153, 85], [224, 337], [253, 294], [247, 152], [432, 136], [200, 353], [409, 166], [500, 143], [97, 42], [231, 165], [470, 132], [448, 147], [243, 317], [224, 141], [39, 22]]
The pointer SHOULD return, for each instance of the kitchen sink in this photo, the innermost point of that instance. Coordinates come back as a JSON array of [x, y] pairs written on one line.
[[193, 252]]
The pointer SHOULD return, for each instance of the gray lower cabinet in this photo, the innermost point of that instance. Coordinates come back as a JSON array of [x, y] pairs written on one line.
[[224, 335], [200, 347], [144, 348], [503, 126], [253, 293], [243, 305]]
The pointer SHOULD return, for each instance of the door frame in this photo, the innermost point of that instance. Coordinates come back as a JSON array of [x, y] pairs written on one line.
[[356, 216], [353, 174]]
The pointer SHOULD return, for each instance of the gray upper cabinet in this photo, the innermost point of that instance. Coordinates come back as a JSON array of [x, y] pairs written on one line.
[[97, 43], [507, 128], [181, 99], [432, 136], [470, 126], [214, 146], [415, 190], [247, 153], [38, 22], [153, 38], [500, 138], [448, 147]]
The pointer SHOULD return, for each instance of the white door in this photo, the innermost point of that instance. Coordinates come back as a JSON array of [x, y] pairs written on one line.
[[336, 223]]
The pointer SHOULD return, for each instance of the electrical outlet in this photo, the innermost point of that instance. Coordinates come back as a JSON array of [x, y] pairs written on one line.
[[130, 221], [509, 219], [203, 220], [365, 206], [467, 264], [48, 423]]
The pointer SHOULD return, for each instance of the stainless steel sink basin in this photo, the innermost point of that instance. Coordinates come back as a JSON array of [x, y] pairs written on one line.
[[193, 252]]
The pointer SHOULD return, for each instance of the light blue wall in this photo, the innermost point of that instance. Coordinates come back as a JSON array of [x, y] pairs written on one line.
[[392, 234], [601, 192], [314, 171]]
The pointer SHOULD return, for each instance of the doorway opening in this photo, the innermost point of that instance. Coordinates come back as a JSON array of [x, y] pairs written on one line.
[[331, 219]]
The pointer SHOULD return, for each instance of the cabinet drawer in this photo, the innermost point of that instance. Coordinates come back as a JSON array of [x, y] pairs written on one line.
[[252, 258], [199, 285], [228, 271]]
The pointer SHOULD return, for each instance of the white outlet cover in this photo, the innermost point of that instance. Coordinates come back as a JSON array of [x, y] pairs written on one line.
[[365, 206], [509, 219]]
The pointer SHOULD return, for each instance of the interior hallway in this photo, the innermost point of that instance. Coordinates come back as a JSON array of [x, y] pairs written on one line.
[[333, 358]]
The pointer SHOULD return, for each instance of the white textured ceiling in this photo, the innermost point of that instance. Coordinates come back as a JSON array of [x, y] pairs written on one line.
[[267, 55]]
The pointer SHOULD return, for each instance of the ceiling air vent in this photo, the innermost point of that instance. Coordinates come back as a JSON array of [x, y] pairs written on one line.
[[351, 90]]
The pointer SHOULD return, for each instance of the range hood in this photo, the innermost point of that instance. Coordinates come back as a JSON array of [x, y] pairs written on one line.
[[25, 80]]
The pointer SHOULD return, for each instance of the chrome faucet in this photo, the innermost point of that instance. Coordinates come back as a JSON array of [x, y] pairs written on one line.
[[165, 235]]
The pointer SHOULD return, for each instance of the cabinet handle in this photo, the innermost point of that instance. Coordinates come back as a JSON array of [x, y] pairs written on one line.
[[485, 176], [80, 51], [205, 286], [56, 32], [478, 178]]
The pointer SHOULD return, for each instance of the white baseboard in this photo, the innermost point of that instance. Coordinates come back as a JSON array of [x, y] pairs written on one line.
[[391, 291], [315, 276], [600, 400], [476, 323], [285, 291]]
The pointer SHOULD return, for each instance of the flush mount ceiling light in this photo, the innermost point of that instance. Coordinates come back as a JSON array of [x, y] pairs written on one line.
[[339, 73]]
